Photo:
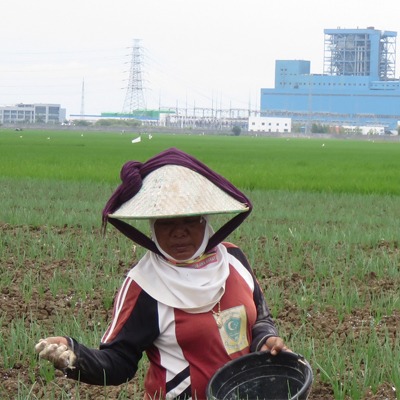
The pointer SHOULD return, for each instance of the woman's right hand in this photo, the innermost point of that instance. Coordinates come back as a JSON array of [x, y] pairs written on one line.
[[56, 350]]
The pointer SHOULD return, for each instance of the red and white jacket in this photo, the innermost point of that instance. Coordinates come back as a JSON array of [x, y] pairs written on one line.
[[184, 349]]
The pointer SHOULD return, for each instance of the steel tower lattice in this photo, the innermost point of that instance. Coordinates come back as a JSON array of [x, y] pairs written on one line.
[[360, 52], [134, 98]]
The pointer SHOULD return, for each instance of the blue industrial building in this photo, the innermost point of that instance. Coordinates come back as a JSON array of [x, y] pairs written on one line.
[[357, 88]]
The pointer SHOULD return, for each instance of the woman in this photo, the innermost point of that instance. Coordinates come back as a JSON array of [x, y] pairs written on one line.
[[192, 302]]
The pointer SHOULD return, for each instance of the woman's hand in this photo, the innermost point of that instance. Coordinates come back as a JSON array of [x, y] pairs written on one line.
[[274, 345], [57, 351]]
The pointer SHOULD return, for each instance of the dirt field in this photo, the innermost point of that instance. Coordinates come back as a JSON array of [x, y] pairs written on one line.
[[13, 305]]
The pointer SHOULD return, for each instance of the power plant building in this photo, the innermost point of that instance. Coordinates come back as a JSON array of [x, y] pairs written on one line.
[[358, 86]]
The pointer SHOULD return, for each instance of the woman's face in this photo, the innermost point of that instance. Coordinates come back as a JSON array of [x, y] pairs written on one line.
[[180, 237]]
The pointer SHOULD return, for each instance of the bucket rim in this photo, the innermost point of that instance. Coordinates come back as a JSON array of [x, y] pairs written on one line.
[[282, 359]]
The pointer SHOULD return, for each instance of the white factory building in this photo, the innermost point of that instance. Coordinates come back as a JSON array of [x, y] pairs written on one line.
[[32, 113], [270, 124]]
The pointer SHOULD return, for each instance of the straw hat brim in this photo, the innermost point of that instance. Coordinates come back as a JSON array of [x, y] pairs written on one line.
[[174, 191]]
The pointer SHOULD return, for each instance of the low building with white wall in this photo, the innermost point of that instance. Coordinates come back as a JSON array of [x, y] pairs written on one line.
[[365, 130], [270, 124]]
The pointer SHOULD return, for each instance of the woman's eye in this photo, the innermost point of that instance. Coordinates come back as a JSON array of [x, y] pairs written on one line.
[[191, 221], [164, 224], [167, 224]]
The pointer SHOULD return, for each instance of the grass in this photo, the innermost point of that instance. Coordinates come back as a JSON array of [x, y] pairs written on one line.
[[323, 241]]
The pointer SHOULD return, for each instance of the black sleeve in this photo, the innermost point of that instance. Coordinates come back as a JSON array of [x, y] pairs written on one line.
[[117, 361], [264, 326]]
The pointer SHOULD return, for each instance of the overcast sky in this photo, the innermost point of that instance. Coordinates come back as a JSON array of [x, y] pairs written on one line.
[[205, 53]]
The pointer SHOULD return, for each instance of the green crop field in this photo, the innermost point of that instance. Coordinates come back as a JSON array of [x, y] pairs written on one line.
[[250, 162], [323, 240]]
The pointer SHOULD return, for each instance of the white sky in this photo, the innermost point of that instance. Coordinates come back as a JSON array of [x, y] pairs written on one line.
[[206, 53]]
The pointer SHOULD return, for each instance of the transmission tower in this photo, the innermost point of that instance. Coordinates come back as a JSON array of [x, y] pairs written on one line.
[[134, 98], [83, 98]]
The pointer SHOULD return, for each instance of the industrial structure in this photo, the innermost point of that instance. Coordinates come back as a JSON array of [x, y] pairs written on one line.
[[134, 98], [32, 113], [358, 86], [134, 106], [270, 125]]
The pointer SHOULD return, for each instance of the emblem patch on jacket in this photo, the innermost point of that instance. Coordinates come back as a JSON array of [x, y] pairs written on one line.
[[232, 325]]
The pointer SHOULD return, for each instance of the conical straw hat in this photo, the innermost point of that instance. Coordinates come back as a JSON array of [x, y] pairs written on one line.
[[173, 191]]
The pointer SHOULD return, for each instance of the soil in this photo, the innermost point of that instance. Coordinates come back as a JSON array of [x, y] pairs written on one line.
[[44, 308]]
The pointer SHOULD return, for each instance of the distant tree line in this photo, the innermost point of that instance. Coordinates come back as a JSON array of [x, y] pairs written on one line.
[[109, 122]]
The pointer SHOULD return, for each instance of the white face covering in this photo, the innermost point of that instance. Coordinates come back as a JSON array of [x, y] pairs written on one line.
[[188, 288], [208, 231]]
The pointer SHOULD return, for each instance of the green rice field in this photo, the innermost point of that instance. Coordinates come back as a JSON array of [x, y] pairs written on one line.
[[250, 162], [323, 240]]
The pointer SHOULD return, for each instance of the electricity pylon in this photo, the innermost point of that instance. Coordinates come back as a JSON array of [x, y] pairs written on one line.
[[134, 98]]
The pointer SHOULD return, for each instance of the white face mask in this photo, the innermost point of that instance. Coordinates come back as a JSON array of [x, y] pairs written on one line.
[[208, 231]]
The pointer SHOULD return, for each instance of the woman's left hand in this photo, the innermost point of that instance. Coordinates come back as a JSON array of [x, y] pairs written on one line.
[[274, 345]]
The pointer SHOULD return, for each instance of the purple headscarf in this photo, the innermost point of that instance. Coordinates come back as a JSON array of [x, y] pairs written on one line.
[[132, 174]]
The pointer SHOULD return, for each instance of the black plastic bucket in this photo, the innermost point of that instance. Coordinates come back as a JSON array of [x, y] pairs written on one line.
[[261, 376]]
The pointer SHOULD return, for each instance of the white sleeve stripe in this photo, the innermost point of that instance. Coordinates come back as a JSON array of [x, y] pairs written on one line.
[[241, 269], [118, 307], [122, 294]]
